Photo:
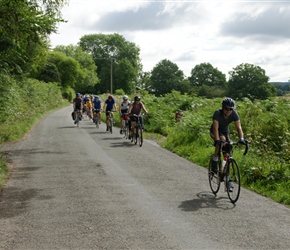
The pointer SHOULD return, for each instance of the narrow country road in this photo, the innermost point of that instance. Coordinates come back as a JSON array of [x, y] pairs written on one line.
[[84, 188]]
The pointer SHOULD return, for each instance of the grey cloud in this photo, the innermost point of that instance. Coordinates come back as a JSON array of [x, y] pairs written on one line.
[[270, 24], [150, 17]]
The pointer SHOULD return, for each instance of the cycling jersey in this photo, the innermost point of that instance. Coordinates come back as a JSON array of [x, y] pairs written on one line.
[[89, 104], [97, 104], [78, 102], [136, 108], [224, 123], [110, 104]]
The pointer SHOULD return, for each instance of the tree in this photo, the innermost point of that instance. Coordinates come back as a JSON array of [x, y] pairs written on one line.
[[113, 52], [24, 29], [205, 73], [248, 80], [165, 77], [70, 71], [89, 80]]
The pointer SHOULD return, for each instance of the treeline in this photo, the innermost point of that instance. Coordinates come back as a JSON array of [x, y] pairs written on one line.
[[102, 63]]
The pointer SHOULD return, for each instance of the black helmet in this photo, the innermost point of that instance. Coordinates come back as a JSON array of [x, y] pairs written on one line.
[[228, 103], [137, 98]]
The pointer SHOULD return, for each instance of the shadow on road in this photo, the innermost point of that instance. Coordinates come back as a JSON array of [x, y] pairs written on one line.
[[206, 200], [123, 144], [16, 200]]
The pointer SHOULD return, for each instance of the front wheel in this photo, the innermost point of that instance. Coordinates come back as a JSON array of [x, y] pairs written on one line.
[[135, 135], [214, 179], [125, 129], [110, 126], [233, 181], [97, 122], [140, 138]]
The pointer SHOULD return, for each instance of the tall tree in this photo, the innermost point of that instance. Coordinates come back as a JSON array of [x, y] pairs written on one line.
[[205, 73], [69, 69], [24, 27], [117, 60], [248, 80], [88, 83], [165, 77]]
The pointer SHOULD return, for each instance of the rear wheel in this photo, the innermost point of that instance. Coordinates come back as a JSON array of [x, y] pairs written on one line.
[[233, 182], [214, 180]]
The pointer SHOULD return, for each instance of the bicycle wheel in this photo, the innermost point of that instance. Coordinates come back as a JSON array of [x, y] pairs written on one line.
[[214, 179], [125, 130], [97, 122], [140, 138], [234, 181], [132, 137], [110, 125], [135, 135]]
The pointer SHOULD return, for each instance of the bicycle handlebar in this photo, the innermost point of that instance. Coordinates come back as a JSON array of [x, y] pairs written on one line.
[[246, 144], [136, 115]]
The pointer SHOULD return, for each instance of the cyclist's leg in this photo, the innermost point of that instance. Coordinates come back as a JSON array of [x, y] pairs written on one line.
[[100, 116], [215, 158]]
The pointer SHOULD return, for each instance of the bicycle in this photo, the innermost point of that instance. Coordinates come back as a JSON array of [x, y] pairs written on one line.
[[96, 118], [78, 118], [137, 135], [125, 124], [110, 121], [227, 172]]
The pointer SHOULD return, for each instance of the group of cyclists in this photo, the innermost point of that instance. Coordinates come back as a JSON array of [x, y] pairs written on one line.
[[219, 130], [93, 105]]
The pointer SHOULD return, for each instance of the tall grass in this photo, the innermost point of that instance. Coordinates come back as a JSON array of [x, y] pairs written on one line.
[[23, 101]]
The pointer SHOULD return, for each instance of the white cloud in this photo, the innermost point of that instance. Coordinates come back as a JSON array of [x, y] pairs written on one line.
[[223, 33]]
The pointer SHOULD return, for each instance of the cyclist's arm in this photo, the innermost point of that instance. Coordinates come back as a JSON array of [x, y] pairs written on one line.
[[120, 107], [239, 129], [215, 130], [145, 110]]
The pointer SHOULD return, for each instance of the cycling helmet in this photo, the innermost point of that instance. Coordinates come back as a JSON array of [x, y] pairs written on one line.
[[228, 103], [137, 98], [96, 97], [110, 97], [125, 97], [78, 94]]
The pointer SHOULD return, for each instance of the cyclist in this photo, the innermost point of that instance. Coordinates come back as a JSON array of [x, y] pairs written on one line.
[[97, 106], [135, 109], [77, 105], [84, 100], [89, 107], [219, 130], [178, 115], [124, 108], [110, 104]]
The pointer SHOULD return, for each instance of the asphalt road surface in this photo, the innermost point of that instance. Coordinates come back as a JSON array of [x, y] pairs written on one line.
[[85, 188]]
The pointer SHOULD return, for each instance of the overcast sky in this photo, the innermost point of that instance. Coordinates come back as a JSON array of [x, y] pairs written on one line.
[[223, 33]]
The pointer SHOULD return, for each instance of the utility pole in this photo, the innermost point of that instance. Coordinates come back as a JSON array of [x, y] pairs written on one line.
[[111, 75]]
